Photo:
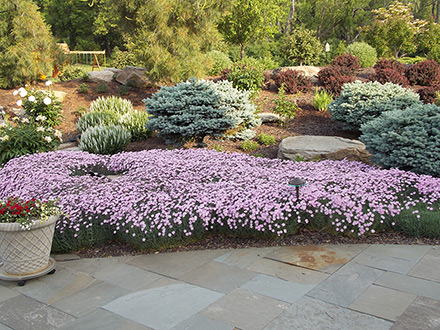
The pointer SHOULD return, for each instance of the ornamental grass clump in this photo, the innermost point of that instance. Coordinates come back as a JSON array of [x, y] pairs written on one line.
[[105, 140], [194, 193]]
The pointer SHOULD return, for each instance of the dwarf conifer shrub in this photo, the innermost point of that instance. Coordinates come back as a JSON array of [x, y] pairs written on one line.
[[426, 73], [246, 75], [333, 78], [361, 102], [219, 62], [198, 108], [105, 140], [294, 81], [348, 62], [366, 54], [407, 139], [390, 71]]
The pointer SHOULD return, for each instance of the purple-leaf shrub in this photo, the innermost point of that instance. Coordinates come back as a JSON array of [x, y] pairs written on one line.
[[177, 194]]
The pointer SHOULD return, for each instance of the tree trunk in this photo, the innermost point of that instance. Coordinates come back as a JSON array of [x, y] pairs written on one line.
[[289, 21], [242, 51]]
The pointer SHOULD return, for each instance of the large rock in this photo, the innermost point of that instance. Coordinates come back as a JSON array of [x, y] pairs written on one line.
[[105, 75], [269, 117], [133, 76], [322, 147]]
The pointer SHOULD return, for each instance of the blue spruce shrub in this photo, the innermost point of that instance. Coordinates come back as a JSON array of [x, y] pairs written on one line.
[[361, 102], [408, 139], [198, 108]]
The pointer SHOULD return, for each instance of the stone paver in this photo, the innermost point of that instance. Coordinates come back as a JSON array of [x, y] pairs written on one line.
[[410, 284], [288, 272], [90, 299], [245, 310], [25, 313], [428, 267], [346, 285], [324, 258], [407, 252], [383, 302], [243, 258], [174, 264], [277, 288], [312, 314], [397, 265], [198, 322], [4, 327], [6, 293], [164, 307], [218, 277], [423, 314], [100, 319]]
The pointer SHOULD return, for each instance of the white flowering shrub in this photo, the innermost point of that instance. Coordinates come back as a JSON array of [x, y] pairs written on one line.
[[198, 108], [105, 140], [408, 139], [361, 102]]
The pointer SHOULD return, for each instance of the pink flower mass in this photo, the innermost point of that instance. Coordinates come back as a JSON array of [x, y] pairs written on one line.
[[180, 193]]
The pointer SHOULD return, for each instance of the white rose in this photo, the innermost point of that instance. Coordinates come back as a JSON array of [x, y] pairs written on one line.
[[21, 89], [25, 120], [47, 100], [40, 129], [19, 103], [48, 83], [5, 138], [48, 139], [23, 93], [31, 98], [15, 93]]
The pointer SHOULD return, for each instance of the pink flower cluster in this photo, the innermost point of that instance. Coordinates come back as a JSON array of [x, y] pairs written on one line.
[[164, 193]]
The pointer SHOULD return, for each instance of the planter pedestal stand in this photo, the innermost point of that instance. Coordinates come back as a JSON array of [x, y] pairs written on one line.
[[21, 279]]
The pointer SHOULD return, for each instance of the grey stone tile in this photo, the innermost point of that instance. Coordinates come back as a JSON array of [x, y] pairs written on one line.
[[245, 310], [65, 257], [4, 327], [311, 314], [218, 277], [423, 314], [407, 252], [90, 266], [90, 299], [277, 288], [163, 307], [198, 322], [6, 293], [398, 265], [174, 264], [288, 272], [49, 289], [429, 267], [325, 258], [243, 258], [25, 313], [383, 302], [346, 285], [103, 320], [410, 284]]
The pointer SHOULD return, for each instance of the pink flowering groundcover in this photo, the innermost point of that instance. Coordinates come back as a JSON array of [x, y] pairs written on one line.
[[159, 198]]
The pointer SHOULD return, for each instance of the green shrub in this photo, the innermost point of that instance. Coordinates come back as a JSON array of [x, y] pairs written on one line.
[[121, 59], [411, 60], [105, 140], [124, 90], [284, 107], [434, 54], [321, 99], [70, 72], [361, 102], [83, 88], [102, 88], [249, 146], [266, 140], [135, 122], [85, 77], [198, 108], [219, 62], [246, 75], [407, 139], [301, 47], [111, 104], [26, 138], [366, 54], [96, 118]]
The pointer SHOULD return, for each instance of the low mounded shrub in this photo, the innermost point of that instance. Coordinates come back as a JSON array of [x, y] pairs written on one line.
[[428, 94], [407, 139], [366, 54], [194, 193], [426, 73], [332, 78], [135, 122], [111, 104], [390, 71], [104, 140], [102, 88], [249, 146], [361, 102], [198, 108], [321, 99], [96, 118], [411, 60], [434, 54], [70, 72], [219, 62], [266, 140], [347, 62], [121, 59], [294, 81]]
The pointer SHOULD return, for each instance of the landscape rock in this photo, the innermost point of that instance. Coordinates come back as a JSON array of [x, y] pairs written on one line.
[[322, 147], [60, 96], [133, 76], [105, 75], [269, 117]]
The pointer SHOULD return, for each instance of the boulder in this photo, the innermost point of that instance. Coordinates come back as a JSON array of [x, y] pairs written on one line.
[[133, 76], [309, 71], [269, 117], [323, 147], [105, 75]]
